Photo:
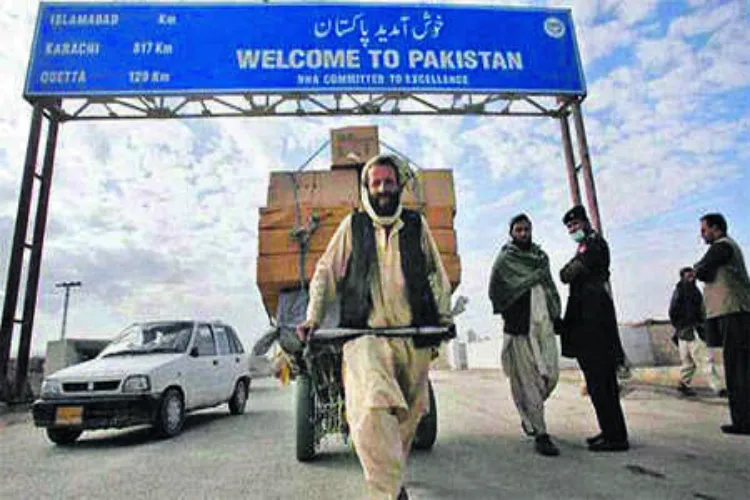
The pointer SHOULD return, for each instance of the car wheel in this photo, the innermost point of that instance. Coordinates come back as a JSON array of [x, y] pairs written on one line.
[[426, 433], [171, 415], [239, 398], [63, 436], [305, 419]]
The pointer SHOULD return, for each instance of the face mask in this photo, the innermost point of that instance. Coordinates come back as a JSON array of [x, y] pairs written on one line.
[[578, 236]]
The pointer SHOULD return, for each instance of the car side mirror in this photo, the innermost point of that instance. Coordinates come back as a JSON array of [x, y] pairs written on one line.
[[194, 352]]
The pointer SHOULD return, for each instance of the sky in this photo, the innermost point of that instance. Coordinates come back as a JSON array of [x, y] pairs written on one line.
[[159, 219]]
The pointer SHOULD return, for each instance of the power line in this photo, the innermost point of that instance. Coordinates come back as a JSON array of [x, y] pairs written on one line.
[[67, 285]]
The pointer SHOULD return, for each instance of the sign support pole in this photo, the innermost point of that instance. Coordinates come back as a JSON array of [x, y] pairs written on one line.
[[588, 174], [570, 164], [32, 280], [19, 245]]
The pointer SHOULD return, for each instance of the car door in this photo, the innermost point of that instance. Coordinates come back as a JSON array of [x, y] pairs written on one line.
[[226, 372], [241, 361], [204, 365]]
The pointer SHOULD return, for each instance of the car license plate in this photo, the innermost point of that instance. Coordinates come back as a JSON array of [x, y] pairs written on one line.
[[69, 415]]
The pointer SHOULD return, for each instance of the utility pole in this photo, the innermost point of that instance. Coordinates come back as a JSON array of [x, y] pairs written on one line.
[[67, 285]]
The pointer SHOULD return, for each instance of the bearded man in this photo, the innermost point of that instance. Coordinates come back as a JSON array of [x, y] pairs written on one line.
[[385, 267], [522, 291]]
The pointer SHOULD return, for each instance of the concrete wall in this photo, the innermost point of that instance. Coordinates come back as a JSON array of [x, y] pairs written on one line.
[[34, 375], [637, 344], [484, 353], [457, 356], [664, 351], [645, 344], [66, 352]]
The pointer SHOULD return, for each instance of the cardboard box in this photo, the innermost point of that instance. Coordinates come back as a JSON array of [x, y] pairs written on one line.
[[351, 146], [445, 240], [280, 272], [285, 218], [320, 188], [270, 297], [452, 263], [280, 241], [439, 217], [430, 188]]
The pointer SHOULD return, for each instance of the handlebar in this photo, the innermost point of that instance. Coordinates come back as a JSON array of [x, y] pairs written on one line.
[[328, 334]]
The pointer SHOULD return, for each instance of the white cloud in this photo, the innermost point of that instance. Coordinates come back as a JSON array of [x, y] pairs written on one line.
[[706, 20], [160, 217], [635, 12], [659, 54], [602, 39], [509, 203]]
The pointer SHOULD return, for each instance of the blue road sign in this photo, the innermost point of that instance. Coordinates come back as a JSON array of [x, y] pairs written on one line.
[[110, 49]]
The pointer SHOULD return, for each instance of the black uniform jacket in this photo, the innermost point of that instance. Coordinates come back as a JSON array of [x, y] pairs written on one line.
[[590, 323]]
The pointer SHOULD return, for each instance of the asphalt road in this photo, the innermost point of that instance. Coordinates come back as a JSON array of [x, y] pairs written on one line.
[[677, 452]]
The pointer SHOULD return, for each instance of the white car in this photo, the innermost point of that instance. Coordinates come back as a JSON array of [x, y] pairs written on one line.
[[152, 373]]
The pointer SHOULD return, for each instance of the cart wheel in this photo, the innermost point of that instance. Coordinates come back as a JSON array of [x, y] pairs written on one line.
[[305, 418], [426, 434]]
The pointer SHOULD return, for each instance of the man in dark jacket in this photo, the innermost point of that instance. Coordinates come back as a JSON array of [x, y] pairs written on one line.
[[726, 295], [687, 314], [590, 334]]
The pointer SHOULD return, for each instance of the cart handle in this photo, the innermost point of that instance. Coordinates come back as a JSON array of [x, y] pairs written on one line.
[[444, 332]]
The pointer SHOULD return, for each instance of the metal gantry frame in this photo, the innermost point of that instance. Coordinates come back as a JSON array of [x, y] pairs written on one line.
[[56, 111], [306, 104]]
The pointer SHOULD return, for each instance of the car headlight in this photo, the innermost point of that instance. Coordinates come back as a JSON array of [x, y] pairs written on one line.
[[136, 383], [51, 388]]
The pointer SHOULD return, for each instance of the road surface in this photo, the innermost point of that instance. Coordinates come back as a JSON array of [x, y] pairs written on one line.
[[677, 452]]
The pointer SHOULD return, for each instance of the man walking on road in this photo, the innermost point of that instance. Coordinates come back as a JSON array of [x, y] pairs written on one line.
[[522, 290], [727, 299], [687, 315], [590, 331], [386, 268]]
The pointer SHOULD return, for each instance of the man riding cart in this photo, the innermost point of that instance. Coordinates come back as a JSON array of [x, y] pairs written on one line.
[[385, 267]]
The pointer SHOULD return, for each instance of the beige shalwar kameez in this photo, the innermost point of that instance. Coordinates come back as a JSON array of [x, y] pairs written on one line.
[[385, 379], [531, 364]]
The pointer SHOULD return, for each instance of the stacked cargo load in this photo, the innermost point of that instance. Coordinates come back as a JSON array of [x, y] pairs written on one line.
[[323, 198], [304, 209], [432, 193]]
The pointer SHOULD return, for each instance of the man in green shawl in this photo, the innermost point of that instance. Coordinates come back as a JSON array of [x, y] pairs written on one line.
[[522, 291]]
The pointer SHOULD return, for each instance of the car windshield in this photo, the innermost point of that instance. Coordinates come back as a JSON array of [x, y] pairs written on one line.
[[145, 338]]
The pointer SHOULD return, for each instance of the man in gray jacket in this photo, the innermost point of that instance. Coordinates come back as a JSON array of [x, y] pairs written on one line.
[[727, 298]]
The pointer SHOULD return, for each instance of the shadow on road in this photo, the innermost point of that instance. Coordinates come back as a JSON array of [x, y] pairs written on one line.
[[201, 421], [496, 466], [339, 458]]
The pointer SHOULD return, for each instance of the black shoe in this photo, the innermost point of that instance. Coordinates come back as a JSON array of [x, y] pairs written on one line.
[[735, 429], [686, 390], [606, 445], [722, 394], [544, 446], [595, 439], [402, 495]]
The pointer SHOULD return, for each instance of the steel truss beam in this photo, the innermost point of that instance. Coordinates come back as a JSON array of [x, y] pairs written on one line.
[[307, 104], [57, 110]]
